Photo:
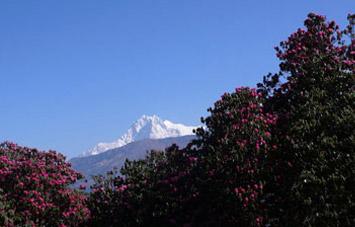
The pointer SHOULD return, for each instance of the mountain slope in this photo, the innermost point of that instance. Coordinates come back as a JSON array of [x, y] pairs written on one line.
[[147, 127], [106, 161]]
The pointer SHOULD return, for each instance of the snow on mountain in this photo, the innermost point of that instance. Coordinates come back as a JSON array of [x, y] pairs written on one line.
[[147, 127]]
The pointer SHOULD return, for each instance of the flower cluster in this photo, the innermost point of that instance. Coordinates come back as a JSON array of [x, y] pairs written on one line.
[[36, 185], [307, 178]]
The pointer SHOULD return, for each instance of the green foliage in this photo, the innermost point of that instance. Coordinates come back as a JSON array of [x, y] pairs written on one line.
[[7, 213], [315, 133], [160, 182]]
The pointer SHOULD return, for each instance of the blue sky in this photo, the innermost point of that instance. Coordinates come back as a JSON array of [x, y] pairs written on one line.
[[74, 73]]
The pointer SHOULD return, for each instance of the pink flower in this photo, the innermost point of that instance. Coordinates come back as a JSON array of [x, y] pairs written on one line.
[[122, 188], [257, 146]]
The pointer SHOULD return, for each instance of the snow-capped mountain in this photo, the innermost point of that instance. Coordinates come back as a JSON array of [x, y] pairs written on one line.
[[147, 127]]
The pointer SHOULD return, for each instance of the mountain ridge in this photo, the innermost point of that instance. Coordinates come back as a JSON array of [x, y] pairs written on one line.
[[115, 158], [146, 127]]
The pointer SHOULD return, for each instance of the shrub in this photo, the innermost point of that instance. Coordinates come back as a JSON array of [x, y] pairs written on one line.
[[152, 191], [34, 189]]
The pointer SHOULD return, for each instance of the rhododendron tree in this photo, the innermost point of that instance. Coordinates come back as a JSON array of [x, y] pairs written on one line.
[[34, 189], [313, 96], [233, 149]]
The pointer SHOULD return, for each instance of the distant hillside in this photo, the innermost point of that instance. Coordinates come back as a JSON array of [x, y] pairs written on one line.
[[106, 161]]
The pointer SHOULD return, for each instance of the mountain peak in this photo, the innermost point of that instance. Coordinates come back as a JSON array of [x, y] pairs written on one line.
[[146, 127], [146, 119]]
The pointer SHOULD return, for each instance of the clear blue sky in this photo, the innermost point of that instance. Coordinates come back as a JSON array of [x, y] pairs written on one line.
[[76, 72]]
